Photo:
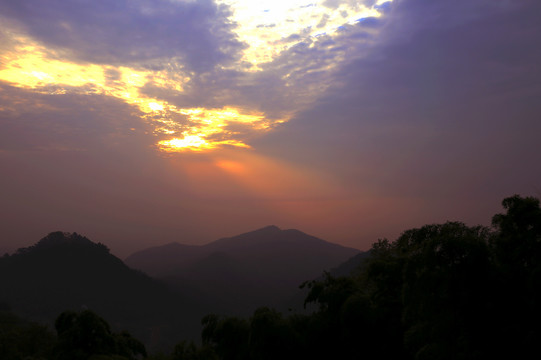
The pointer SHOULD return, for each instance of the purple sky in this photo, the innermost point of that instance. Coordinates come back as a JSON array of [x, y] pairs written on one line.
[[429, 112]]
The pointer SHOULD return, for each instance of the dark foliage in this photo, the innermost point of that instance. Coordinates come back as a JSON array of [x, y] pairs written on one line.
[[79, 336], [68, 271], [446, 291], [20, 339], [84, 335], [443, 291]]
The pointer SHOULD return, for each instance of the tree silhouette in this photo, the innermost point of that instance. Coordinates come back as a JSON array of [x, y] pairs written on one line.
[[228, 336], [444, 292], [20, 339], [272, 336], [188, 350], [517, 255], [82, 335], [441, 291]]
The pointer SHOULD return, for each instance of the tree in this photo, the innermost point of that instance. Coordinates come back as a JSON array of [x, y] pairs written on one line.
[[442, 291], [20, 339], [128, 346], [517, 246], [188, 350], [517, 256], [272, 336], [228, 336], [446, 277], [85, 334], [350, 322]]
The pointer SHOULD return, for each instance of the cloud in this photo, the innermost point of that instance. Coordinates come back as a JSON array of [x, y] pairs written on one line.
[[443, 104], [136, 32], [292, 81], [323, 21], [36, 121], [335, 4], [421, 115]]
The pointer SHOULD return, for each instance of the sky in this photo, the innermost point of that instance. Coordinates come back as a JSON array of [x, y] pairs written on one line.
[[142, 122]]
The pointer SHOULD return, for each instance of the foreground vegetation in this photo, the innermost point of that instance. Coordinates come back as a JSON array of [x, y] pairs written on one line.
[[446, 291]]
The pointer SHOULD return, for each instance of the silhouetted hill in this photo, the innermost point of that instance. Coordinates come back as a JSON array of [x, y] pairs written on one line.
[[68, 271], [262, 267], [350, 266]]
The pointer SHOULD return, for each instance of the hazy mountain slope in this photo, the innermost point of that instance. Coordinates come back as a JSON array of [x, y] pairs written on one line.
[[164, 259], [262, 267], [351, 265], [230, 276], [67, 271], [270, 245]]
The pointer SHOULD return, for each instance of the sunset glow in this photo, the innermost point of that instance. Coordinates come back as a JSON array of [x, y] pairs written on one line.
[[353, 120], [268, 27], [205, 129]]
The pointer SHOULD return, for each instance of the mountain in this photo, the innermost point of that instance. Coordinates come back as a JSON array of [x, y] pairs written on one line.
[[66, 271], [350, 266], [231, 276], [262, 267]]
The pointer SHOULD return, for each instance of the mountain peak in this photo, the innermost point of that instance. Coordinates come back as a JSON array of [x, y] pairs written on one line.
[[268, 236], [59, 239], [270, 228]]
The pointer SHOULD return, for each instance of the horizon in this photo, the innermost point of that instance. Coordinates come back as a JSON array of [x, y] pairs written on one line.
[[145, 123], [125, 256]]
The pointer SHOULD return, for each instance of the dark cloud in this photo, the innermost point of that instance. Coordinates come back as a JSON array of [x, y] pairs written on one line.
[[285, 84], [291, 38], [443, 108], [40, 121], [126, 31], [384, 7], [112, 75]]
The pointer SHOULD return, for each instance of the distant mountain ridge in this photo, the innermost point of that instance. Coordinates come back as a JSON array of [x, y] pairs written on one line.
[[262, 267], [231, 276], [165, 259]]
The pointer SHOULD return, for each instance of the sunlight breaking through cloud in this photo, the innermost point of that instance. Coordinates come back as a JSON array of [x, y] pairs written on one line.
[[214, 128], [272, 26], [162, 89], [28, 66]]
